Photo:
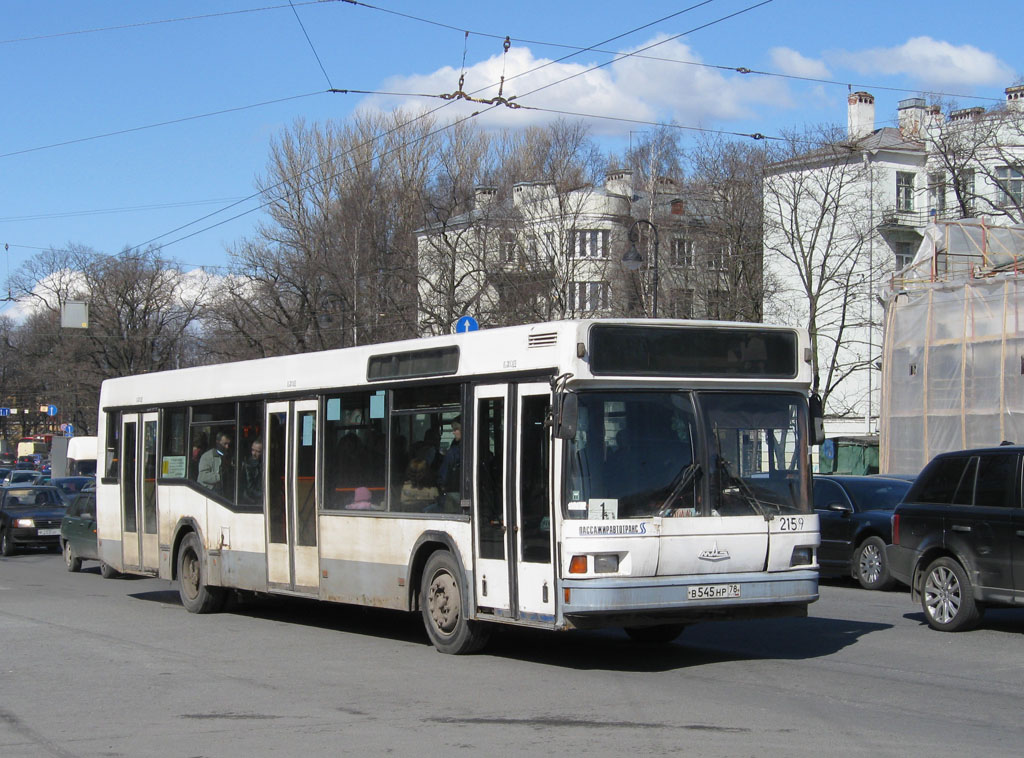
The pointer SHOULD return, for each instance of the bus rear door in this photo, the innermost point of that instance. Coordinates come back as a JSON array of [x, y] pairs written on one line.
[[292, 553]]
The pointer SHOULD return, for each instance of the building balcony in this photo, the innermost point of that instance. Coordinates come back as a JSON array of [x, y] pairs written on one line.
[[895, 217]]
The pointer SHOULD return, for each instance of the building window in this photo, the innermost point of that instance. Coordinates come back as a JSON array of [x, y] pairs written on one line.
[[591, 243], [904, 254], [508, 247], [904, 191], [716, 304], [681, 305], [682, 252], [1011, 185], [716, 258], [589, 296], [937, 192]]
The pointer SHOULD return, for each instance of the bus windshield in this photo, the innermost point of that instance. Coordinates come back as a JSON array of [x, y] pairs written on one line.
[[640, 454]]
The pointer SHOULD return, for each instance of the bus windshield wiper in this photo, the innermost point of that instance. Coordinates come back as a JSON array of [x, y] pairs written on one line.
[[687, 476], [755, 503]]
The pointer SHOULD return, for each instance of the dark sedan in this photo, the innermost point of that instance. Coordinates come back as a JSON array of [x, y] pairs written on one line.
[[855, 516], [30, 516]]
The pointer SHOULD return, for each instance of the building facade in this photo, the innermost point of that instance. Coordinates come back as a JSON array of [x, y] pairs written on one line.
[[843, 217], [538, 252]]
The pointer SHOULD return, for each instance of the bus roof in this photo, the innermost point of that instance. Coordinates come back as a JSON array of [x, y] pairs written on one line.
[[548, 347]]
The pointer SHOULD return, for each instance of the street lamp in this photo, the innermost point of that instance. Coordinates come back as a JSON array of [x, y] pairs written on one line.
[[632, 260]]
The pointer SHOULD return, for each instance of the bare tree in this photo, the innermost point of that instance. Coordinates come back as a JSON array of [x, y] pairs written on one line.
[[816, 203], [334, 264], [143, 313]]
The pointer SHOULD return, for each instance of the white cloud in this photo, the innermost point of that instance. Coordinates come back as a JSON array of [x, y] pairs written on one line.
[[654, 88], [789, 61], [931, 62]]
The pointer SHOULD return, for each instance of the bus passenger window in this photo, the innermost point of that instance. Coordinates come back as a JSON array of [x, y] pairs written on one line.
[[212, 462], [355, 452]]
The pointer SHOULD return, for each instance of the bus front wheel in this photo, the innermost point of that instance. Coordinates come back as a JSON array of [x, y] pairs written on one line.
[[196, 595], [442, 608]]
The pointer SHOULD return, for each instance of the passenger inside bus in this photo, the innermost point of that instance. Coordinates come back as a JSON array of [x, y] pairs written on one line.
[[418, 490]]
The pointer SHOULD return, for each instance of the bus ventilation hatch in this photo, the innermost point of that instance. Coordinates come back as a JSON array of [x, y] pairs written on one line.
[[548, 339]]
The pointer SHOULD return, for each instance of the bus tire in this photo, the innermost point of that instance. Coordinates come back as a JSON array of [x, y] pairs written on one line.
[[196, 595], [72, 561], [441, 605], [107, 571], [661, 634]]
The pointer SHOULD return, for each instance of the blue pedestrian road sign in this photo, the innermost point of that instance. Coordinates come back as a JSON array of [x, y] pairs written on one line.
[[466, 324]]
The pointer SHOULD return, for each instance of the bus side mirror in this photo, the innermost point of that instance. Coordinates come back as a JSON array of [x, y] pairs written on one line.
[[566, 415], [817, 418]]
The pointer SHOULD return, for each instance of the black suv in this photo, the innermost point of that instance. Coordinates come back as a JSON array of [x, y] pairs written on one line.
[[958, 536]]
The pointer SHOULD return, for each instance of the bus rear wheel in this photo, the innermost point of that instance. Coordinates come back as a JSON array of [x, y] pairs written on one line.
[[442, 608], [196, 595]]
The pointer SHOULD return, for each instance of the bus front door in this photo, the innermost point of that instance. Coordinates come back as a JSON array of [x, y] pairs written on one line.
[[512, 513], [141, 548], [292, 553]]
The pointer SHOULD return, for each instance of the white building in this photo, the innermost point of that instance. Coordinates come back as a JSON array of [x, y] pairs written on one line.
[[539, 254], [856, 209]]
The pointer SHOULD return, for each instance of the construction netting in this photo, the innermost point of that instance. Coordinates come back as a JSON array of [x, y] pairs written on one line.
[[953, 353]]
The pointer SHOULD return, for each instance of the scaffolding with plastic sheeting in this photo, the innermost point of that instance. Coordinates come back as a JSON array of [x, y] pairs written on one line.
[[953, 353]]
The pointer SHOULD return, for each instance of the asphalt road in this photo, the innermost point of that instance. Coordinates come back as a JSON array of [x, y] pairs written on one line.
[[94, 667]]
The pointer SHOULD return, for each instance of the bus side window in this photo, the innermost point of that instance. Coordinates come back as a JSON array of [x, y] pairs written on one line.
[[354, 451]]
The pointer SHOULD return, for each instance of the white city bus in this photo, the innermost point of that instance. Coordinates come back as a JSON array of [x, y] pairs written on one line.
[[574, 474]]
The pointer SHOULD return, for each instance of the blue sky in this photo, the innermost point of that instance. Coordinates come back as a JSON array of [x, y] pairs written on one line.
[[74, 70]]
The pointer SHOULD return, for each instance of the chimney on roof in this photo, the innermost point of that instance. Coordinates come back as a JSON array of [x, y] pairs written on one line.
[[967, 114], [912, 112], [484, 196], [619, 182], [1015, 97], [860, 115]]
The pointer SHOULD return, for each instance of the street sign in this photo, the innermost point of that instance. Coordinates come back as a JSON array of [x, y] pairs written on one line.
[[466, 324], [5, 411], [69, 430], [51, 410]]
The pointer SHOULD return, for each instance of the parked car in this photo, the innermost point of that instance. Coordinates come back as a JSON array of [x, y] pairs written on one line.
[[22, 477], [70, 486], [854, 513], [957, 536], [78, 533], [30, 516]]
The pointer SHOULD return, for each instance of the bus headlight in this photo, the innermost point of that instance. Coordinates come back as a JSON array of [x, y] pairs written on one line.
[[606, 564], [24, 523]]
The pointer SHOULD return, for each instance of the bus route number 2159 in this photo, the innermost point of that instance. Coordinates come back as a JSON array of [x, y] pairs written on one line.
[[790, 523]]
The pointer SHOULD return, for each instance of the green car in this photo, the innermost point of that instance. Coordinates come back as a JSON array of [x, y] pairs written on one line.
[[78, 534]]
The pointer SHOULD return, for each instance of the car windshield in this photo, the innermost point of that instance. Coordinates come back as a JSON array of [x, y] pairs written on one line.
[[17, 498], [876, 494]]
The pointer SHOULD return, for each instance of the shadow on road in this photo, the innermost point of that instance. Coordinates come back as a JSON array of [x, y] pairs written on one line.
[[1009, 620], [610, 649], [699, 645]]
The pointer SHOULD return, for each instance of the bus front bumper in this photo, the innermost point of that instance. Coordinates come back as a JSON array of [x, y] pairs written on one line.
[[588, 603]]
